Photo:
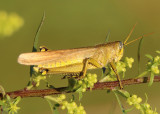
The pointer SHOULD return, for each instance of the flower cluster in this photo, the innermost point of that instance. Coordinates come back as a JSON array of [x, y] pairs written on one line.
[[70, 106], [144, 108], [153, 64], [129, 62], [152, 67], [87, 82], [73, 108], [37, 79], [134, 100], [10, 105], [121, 68], [9, 23]]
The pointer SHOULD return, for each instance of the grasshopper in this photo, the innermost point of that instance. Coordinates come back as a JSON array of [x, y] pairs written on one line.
[[77, 60]]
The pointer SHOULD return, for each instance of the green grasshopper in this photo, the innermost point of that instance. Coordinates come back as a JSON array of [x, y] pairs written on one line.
[[78, 60]]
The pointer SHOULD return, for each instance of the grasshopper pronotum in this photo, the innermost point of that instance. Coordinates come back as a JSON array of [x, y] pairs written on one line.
[[77, 60]]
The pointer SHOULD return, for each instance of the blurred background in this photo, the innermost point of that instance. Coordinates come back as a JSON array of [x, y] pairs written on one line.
[[78, 23]]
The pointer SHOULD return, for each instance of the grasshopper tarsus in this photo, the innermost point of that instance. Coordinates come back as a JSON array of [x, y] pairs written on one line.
[[43, 49]]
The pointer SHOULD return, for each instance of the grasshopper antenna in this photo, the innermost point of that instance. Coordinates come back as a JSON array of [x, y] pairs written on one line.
[[129, 34], [138, 38]]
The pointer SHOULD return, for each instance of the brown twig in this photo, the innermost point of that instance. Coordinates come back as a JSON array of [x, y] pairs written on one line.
[[97, 86]]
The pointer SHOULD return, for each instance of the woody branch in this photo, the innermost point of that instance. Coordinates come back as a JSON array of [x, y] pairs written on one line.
[[98, 86]]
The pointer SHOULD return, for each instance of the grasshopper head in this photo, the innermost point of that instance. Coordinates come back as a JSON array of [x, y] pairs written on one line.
[[119, 52]]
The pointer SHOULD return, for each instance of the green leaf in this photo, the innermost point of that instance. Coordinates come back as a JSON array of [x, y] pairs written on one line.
[[17, 100], [8, 97], [138, 54], [107, 37], [128, 110], [151, 79], [149, 56], [55, 110], [73, 97], [158, 52], [2, 90], [1, 103], [146, 97], [119, 102], [50, 105], [35, 43], [142, 74], [123, 93], [80, 95]]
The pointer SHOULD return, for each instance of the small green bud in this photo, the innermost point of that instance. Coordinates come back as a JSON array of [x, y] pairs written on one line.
[[124, 69], [95, 75], [155, 113], [155, 69], [81, 108], [156, 59], [94, 80], [73, 104], [85, 79], [134, 96], [84, 112], [70, 111], [91, 84], [63, 107], [139, 100], [149, 63], [84, 90], [147, 105], [133, 100], [89, 75], [89, 78], [148, 111], [84, 86], [80, 82], [129, 61], [129, 101], [62, 97], [65, 103], [37, 84], [138, 106]]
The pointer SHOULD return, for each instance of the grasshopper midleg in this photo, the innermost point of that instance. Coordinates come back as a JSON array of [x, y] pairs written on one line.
[[86, 63]]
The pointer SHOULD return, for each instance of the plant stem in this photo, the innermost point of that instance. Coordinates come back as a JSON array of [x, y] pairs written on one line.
[[98, 86]]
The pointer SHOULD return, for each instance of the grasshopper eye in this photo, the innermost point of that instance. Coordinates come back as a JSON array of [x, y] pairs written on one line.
[[120, 45]]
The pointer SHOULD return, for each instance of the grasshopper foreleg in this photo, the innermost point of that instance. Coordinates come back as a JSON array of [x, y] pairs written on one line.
[[115, 71]]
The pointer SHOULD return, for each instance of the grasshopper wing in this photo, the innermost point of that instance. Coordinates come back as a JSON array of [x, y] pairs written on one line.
[[36, 58]]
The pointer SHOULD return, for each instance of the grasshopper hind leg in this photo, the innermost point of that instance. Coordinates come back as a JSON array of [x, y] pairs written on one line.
[[86, 62]]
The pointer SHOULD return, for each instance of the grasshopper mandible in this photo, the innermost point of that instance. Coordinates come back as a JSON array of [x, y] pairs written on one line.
[[78, 60]]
